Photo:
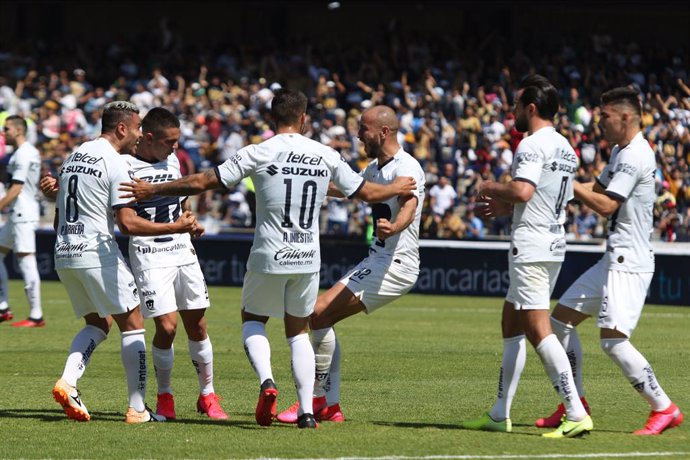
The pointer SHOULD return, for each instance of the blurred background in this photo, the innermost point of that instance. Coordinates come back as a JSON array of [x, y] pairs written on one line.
[[449, 69]]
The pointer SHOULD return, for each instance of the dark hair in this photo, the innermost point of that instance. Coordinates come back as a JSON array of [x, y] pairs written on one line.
[[623, 95], [117, 112], [16, 119], [288, 106], [539, 91], [158, 119]]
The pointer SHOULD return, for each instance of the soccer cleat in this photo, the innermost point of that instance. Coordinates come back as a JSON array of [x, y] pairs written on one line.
[[6, 315], [486, 423], [306, 421], [289, 415], [210, 405], [29, 322], [266, 405], [165, 406], [330, 414], [660, 421], [70, 399], [147, 415], [570, 429], [554, 420]]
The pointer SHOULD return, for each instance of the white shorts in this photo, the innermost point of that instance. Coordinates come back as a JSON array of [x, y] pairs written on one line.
[[19, 236], [531, 284], [377, 282], [104, 290], [614, 297], [266, 294], [168, 289]]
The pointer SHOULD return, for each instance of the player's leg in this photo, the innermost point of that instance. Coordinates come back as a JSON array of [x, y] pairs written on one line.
[[32, 288], [6, 242], [263, 295], [512, 365], [82, 348], [625, 293], [300, 296], [580, 301]]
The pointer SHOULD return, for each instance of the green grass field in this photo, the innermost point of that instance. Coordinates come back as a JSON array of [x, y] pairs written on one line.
[[411, 372]]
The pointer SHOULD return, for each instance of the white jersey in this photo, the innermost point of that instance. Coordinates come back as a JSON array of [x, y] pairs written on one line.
[[172, 250], [88, 195], [546, 160], [25, 168], [403, 246], [291, 175], [629, 177]]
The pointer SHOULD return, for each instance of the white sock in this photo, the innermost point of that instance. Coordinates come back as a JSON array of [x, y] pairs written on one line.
[[637, 370], [32, 285], [257, 348], [4, 280], [83, 346], [332, 385], [202, 358], [323, 343], [570, 340], [557, 368], [514, 355], [163, 360], [133, 354], [303, 368]]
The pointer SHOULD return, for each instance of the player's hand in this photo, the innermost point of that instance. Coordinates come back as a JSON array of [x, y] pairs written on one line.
[[384, 229], [138, 190], [186, 223], [198, 231], [489, 207], [49, 186], [406, 185]]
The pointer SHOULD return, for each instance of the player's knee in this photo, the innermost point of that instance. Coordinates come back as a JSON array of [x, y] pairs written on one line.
[[166, 329]]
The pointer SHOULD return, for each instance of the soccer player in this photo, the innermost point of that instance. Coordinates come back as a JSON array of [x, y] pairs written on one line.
[[541, 186], [88, 261], [291, 174], [390, 270], [19, 233], [167, 270], [614, 289]]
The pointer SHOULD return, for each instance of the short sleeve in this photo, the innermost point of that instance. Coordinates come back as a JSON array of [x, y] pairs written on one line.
[[119, 171], [237, 167], [347, 181], [22, 164], [528, 163], [625, 176]]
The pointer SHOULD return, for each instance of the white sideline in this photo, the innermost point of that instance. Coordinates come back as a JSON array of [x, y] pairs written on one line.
[[501, 457]]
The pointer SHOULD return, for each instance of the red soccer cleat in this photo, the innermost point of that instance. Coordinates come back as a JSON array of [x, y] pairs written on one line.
[[554, 420], [6, 315], [29, 323], [266, 405], [289, 415], [660, 421], [330, 414], [165, 406], [210, 405]]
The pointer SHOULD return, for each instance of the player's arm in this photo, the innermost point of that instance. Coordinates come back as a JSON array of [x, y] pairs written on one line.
[[403, 186], [130, 223], [189, 185], [515, 191], [386, 229], [596, 198], [334, 191], [11, 195]]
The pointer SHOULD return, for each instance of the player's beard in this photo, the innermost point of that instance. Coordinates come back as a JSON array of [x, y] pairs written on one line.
[[372, 149], [521, 123]]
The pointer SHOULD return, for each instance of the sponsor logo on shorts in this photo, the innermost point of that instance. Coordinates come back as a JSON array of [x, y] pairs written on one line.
[[148, 293]]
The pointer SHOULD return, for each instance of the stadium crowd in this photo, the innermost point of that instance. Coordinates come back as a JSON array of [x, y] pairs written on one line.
[[452, 101]]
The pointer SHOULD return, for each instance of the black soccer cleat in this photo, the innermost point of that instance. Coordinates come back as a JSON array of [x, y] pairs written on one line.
[[307, 421]]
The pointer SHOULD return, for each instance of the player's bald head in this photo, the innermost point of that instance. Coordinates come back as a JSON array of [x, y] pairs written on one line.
[[380, 116]]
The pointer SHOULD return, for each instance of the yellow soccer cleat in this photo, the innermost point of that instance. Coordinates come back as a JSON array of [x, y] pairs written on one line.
[[570, 429], [486, 423]]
